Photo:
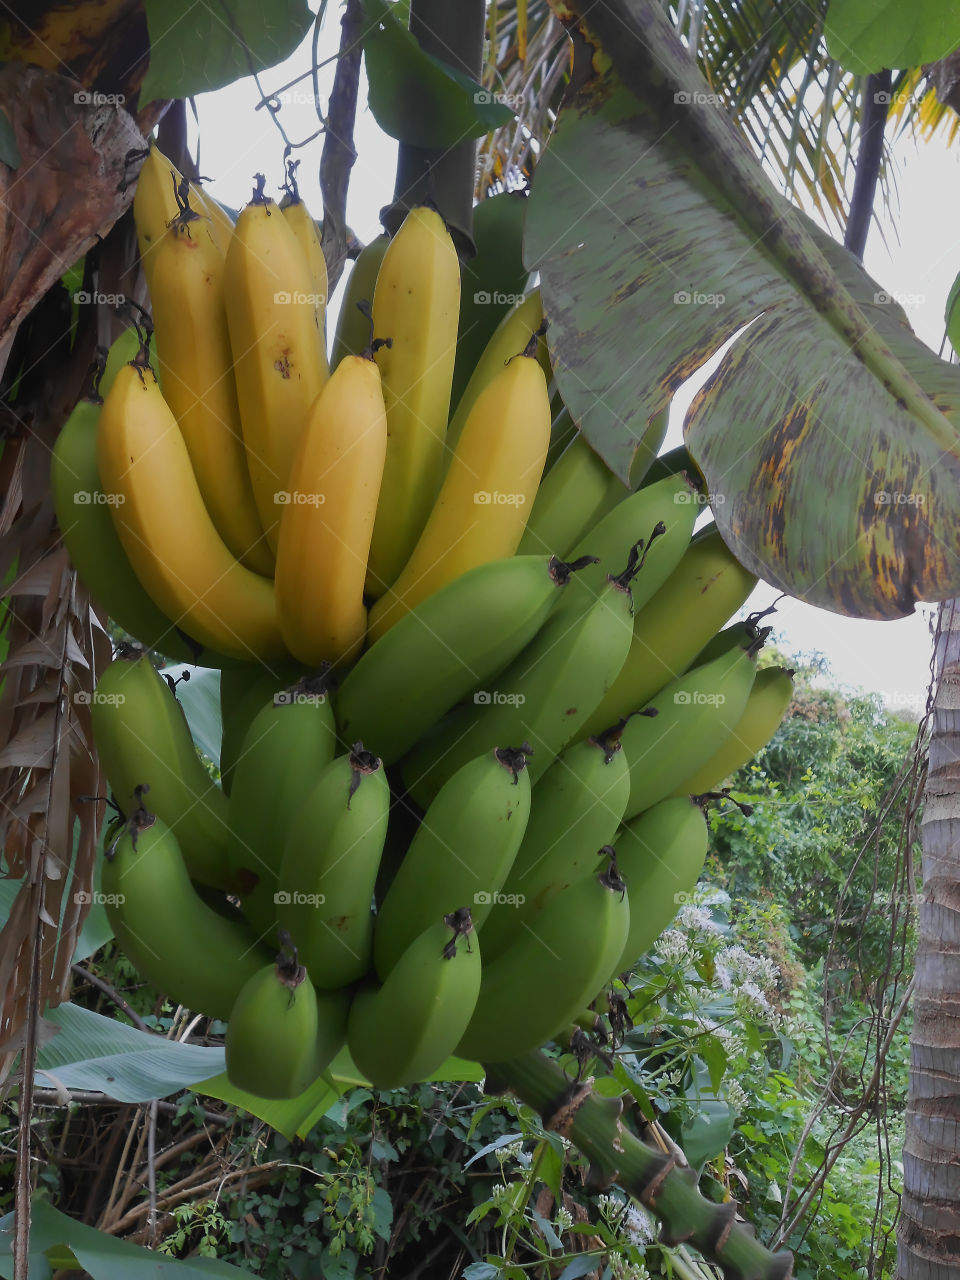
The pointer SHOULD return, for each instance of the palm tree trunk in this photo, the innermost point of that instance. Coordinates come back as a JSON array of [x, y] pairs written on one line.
[[928, 1238]]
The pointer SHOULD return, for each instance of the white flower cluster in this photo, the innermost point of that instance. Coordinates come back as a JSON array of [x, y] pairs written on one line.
[[514, 1151], [628, 1218], [736, 1095], [696, 919]]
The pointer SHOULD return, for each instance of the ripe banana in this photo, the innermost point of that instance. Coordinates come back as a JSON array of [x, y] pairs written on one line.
[[694, 713], [154, 205], [765, 708], [245, 689], [282, 1034], [290, 741], [403, 1031], [576, 809], [279, 358], [186, 948], [166, 531], [638, 517], [548, 974], [415, 304], [449, 644], [511, 336], [329, 868], [542, 698], [573, 496], [705, 588], [353, 327], [143, 739], [660, 855], [489, 487], [222, 222], [325, 529], [308, 237], [196, 368], [461, 853], [91, 539]]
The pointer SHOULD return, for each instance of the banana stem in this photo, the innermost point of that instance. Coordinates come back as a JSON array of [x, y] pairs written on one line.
[[617, 1155]]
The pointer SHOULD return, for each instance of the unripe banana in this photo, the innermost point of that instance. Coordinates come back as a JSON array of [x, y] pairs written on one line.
[[415, 304], [765, 709], [353, 327], [329, 869], [289, 743], [123, 349], [191, 952], [403, 1031], [175, 549], [694, 713], [576, 809], [511, 336], [282, 1033], [660, 855], [547, 975], [542, 698], [279, 358], [97, 554], [573, 496], [196, 367], [739, 634], [245, 689], [308, 237], [563, 431], [143, 740], [673, 463], [326, 528], [449, 644], [461, 853], [489, 487], [706, 587]]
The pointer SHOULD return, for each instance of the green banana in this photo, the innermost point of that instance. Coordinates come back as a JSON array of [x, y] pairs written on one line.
[[453, 641], [245, 689], [741, 633], [563, 431], [681, 726], [143, 740], [282, 1033], [548, 974], [290, 741], [461, 853], [660, 855], [638, 516], [765, 708], [576, 808], [122, 350], [577, 493], [353, 327], [401, 1032], [181, 945], [648, 447], [704, 589], [83, 515], [671, 464], [329, 869], [542, 698]]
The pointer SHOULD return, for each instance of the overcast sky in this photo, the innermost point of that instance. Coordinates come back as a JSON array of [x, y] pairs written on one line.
[[919, 267]]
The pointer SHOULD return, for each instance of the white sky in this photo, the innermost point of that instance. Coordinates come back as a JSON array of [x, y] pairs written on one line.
[[891, 658]]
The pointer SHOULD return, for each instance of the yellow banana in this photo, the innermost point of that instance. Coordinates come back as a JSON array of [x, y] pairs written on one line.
[[166, 530], [305, 229], [486, 494], [196, 366], [328, 521], [279, 360], [154, 205], [416, 304], [221, 223]]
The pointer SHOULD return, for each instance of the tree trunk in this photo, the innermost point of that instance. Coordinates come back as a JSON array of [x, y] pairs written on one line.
[[929, 1229]]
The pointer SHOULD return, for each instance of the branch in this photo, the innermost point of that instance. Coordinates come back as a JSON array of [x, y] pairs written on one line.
[[876, 98], [655, 1179], [339, 155]]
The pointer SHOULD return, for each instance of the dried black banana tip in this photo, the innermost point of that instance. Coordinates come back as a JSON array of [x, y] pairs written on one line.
[[514, 759], [461, 922], [561, 570]]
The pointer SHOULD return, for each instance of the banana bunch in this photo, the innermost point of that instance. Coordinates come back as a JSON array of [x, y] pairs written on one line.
[[473, 687]]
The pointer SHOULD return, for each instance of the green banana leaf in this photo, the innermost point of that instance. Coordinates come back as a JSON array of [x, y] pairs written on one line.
[[828, 438], [200, 698], [869, 35]]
